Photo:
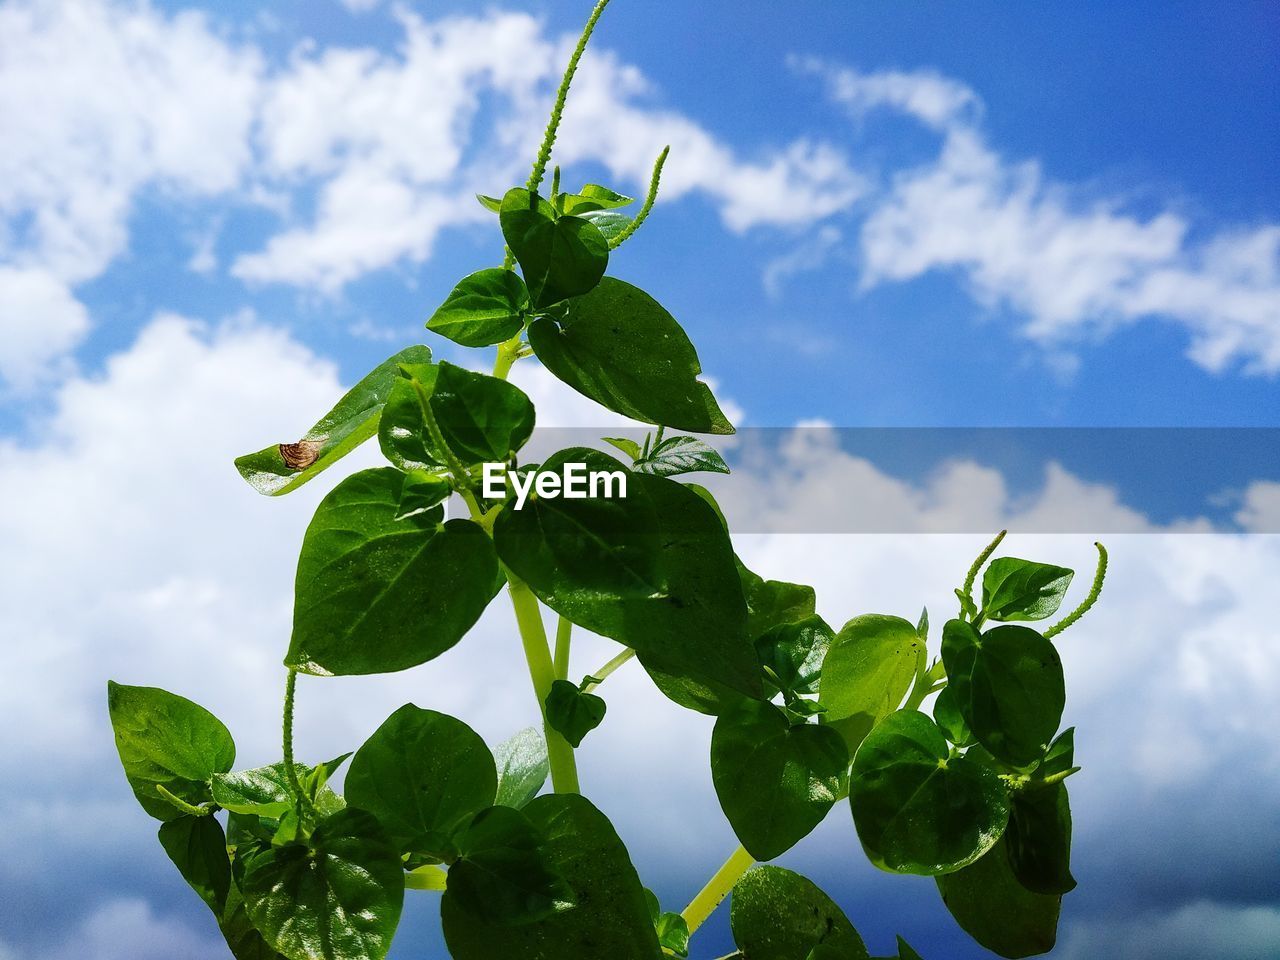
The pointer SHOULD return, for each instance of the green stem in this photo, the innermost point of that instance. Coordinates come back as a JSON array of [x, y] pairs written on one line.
[[712, 895], [290, 769], [977, 564], [533, 635], [564, 638], [1094, 592], [599, 676], [650, 199], [190, 809], [557, 111]]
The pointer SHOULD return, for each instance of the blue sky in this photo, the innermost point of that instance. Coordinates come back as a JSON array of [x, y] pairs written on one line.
[[875, 215]]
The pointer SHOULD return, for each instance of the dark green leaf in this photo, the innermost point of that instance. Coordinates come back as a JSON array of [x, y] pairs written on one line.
[[918, 809], [997, 911], [421, 492], [867, 672], [773, 602], [658, 576], [480, 418], [946, 713], [375, 594], [423, 775], [1039, 839], [679, 455], [776, 781], [166, 741], [1061, 755], [336, 898], [198, 848], [560, 256], [619, 347], [265, 791], [284, 467], [522, 767], [483, 309], [780, 915], [794, 652], [573, 713], [1009, 686], [503, 875], [611, 918], [1015, 589]]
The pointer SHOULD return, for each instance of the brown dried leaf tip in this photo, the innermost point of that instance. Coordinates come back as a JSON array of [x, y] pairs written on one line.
[[300, 455]]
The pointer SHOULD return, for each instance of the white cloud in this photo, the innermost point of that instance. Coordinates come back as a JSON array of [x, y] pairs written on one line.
[[1075, 265], [97, 103], [1221, 931], [41, 321], [1260, 507]]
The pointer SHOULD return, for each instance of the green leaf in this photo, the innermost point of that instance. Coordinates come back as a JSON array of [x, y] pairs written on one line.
[[654, 571], [480, 418], [424, 775], [780, 915], [611, 918], [794, 652], [492, 204], [997, 911], [918, 809], [619, 347], [1015, 589], [166, 741], [610, 223], [1061, 755], [1009, 686], [198, 848], [629, 447], [336, 898], [265, 791], [868, 670], [375, 594], [560, 256], [673, 933], [572, 713], [483, 309], [678, 455], [946, 714], [503, 875], [1039, 839], [775, 781], [523, 767], [283, 468], [773, 602], [421, 492]]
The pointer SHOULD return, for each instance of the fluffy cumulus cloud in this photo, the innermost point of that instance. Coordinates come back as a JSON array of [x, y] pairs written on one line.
[[1074, 264]]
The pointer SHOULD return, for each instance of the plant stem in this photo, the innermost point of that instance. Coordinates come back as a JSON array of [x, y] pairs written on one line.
[[603, 673], [564, 638], [717, 888], [557, 111], [1094, 592], [564, 767], [190, 809], [299, 795], [650, 198], [977, 564]]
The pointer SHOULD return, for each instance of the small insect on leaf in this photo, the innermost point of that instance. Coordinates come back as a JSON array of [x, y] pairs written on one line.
[[300, 455]]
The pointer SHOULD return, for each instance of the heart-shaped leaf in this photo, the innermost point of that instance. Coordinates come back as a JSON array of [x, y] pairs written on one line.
[[779, 915], [793, 654], [573, 713], [776, 781], [166, 742], [1008, 685], [1014, 589], [560, 256], [376, 594], [424, 775], [917, 808], [483, 309], [867, 671]]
